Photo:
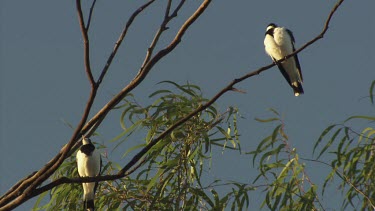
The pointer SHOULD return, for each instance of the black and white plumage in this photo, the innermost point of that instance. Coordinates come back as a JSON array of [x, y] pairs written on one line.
[[89, 165], [279, 42]]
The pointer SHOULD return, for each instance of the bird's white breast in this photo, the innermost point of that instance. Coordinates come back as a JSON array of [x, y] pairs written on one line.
[[279, 45], [88, 166]]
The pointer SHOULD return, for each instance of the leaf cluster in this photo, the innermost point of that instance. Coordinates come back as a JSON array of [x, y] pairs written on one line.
[[287, 186], [354, 158]]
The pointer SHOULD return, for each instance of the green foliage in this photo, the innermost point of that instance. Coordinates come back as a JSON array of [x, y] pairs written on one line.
[[287, 186], [63, 196], [171, 173], [175, 165], [354, 158], [171, 176]]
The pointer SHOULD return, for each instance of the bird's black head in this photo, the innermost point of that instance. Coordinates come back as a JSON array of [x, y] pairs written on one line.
[[271, 25], [87, 146], [270, 28]]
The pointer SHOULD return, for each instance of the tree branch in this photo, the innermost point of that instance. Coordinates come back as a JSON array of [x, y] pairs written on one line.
[[230, 87], [19, 195], [96, 120], [161, 29], [86, 42], [90, 15], [88, 131], [24, 190], [66, 180], [121, 38], [21, 191]]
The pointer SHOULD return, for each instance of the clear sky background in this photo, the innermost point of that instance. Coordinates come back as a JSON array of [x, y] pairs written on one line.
[[43, 83]]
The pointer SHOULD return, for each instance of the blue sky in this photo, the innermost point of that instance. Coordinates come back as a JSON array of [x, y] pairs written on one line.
[[43, 83]]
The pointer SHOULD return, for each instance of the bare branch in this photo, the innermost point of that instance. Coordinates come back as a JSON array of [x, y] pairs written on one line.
[[174, 14], [22, 190], [89, 130], [90, 15], [320, 36], [142, 74], [161, 29], [86, 43], [166, 15], [120, 39]]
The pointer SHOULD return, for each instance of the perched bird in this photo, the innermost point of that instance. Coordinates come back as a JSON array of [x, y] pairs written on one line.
[[89, 164], [279, 42]]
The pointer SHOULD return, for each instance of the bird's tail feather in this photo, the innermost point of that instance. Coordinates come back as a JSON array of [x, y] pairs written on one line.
[[297, 89], [88, 205]]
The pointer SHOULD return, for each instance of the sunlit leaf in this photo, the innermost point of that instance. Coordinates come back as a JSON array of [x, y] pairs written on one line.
[[267, 120], [163, 91], [272, 152], [190, 92], [360, 117]]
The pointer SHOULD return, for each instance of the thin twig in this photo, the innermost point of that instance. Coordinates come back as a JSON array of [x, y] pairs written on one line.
[[86, 43], [88, 131], [166, 14], [90, 15], [174, 14], [120, 39], [25, 189], [162, 28]]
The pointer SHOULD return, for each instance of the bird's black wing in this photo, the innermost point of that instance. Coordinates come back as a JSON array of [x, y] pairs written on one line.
[[291, 35], [282, 70], [297, 63], [295, 56], [100, 173]]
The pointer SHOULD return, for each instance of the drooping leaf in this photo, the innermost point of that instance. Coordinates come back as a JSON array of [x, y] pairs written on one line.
[[371, 118], [371, 90], [324, 133], [333, 138], [267, 120]]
